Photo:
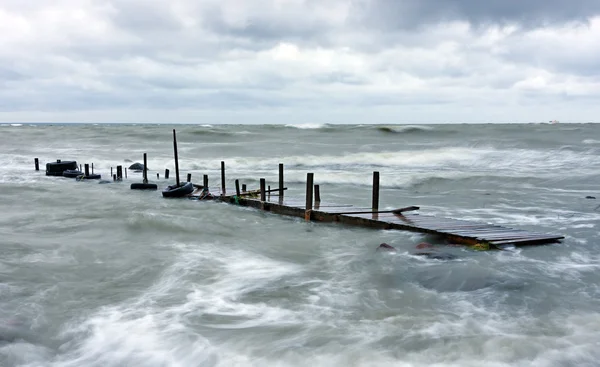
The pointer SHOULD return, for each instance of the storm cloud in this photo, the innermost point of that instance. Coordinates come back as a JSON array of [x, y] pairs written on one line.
[[358, 61]]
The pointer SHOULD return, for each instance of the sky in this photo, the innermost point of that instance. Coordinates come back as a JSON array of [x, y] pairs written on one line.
[[300, 61]]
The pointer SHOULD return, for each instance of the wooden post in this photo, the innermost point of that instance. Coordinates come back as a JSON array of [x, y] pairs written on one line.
[[237, 187], [205, 182], [375, 205], [115, 177], [243, 187], [176, 159], [145, 174], [37, 164], [166, 173], [119, 173], [223, 177], [317, 194], [58, 161], [309, 195], [269, 191], [262, 190], [87, 170], [125, 172], [92, 168], [189, 177], [80, 167], [157, 176], [280, 181], [111, 171]]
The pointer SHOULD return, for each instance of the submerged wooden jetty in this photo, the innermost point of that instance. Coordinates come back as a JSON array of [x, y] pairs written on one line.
[[454, 231]]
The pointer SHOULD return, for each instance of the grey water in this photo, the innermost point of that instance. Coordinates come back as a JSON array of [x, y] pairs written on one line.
[[100, 275]]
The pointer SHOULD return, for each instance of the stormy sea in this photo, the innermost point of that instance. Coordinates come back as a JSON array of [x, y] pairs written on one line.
[[97, 274]]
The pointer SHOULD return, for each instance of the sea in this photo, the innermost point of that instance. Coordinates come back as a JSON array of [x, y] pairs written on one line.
[[93, 273]]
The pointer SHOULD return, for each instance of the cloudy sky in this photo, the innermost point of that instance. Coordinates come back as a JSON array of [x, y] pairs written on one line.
[[300, 61]]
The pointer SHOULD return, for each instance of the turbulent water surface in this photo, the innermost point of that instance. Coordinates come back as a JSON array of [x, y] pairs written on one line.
[[99, 275]]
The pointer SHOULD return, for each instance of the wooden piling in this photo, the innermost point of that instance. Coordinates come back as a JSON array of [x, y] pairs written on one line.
[[80, 167], [243, 187], [205, 182], [317, 194], [87, 170], [111, 171], [115, 177], [92, 168], [176, 159], [281, 181], [189, 177], [37, 164], [125, 172], [145, 174], [119, 173], [166, 173], [375, 202], [309, 196], [237, 187], [223, 177], [262, 190]]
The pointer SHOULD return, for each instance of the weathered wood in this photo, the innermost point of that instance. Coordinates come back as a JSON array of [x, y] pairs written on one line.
[[281, 180], [205, 181], [262, 190], [125, 172], [176, 159], [87, 169], [375, 202], [119, 173], [223, 178], [92, 168], [36, 162], [189, 177], [237, 187], [145, 173], [309, 191], [244, 187], [317, 194], [166, 173]]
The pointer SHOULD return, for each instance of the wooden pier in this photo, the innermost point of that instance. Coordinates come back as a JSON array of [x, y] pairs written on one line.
[[455, 231]]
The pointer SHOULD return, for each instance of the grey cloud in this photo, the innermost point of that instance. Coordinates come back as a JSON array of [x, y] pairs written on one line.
[[526, 13]]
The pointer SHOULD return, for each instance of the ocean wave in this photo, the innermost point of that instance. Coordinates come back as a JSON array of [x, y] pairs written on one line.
[[309, 126], [404, 129]]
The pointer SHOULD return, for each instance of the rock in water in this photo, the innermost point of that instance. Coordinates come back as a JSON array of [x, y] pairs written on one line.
[[386, 247], [137, 167]]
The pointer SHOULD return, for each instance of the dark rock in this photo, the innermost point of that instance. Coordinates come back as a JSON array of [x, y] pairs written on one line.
[[137, 167], [590, 197], [386, 247]]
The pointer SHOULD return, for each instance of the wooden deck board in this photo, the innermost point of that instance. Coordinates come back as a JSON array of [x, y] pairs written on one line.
[[455, 230]]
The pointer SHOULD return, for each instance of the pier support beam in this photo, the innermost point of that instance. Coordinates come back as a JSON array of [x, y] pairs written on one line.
[[222, 177], [237, 188], [375, 204], [37, 164], [309, 195], [146, 169], [205, 182], [87, 169], [280, 181]]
